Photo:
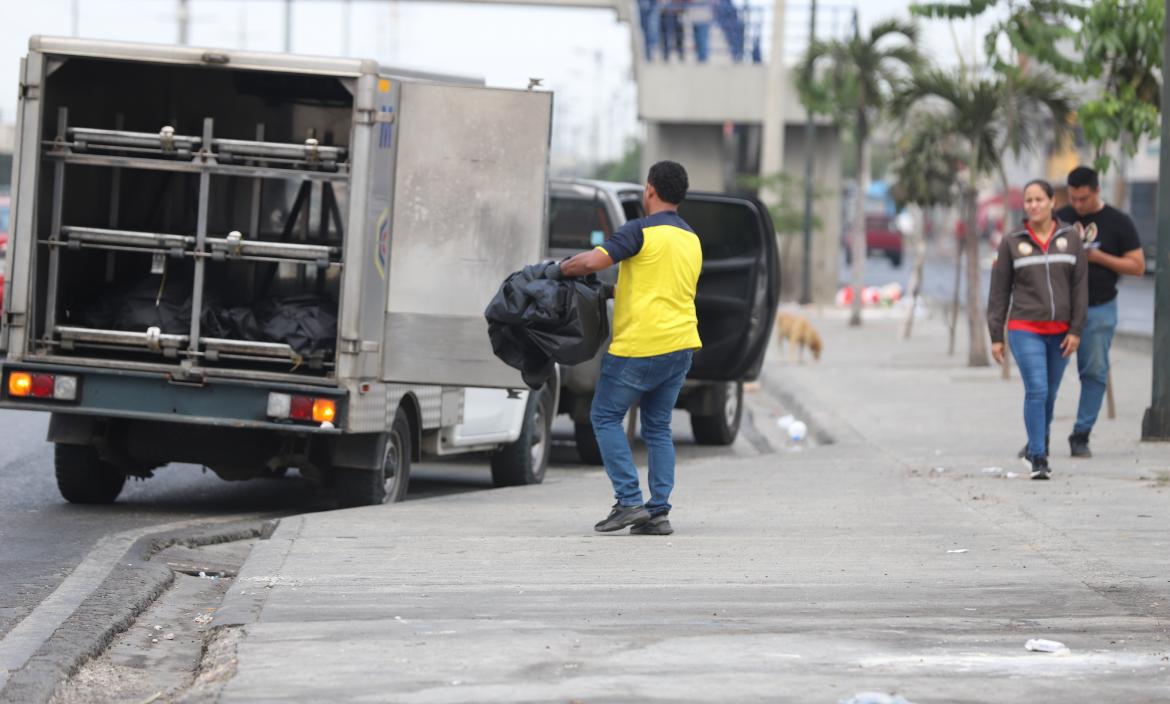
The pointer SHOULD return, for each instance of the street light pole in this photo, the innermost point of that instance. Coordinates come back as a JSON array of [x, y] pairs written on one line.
[[1156, 424], [810, 138], [288, 10], [184, 22]]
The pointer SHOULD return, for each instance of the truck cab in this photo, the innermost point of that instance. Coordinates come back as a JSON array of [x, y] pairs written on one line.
[[736, 302]]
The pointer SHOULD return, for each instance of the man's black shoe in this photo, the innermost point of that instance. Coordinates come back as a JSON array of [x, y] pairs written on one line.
[[1078, 445], [1040, 468], [621, 517], [659, 525]]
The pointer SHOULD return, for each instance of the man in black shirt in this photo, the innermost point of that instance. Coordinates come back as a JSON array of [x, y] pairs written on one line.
[[1113, 248]]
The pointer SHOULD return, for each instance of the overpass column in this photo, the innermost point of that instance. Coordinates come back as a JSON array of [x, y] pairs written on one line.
[[772, 149]]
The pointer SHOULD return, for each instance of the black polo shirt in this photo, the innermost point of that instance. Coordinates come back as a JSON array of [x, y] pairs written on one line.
[[1113, 232]]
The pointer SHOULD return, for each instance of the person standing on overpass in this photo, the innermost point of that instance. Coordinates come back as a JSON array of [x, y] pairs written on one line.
[[1113, 248], [655, 335]]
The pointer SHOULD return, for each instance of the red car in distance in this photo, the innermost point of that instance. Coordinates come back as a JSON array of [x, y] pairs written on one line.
[[882, 238]]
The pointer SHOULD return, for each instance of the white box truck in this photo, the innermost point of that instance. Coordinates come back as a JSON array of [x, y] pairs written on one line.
[[256, 261]]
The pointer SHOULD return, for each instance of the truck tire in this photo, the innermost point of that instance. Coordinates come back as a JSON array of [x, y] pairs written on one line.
[[83, 478], [389, 484], [525, 460], [722, 427], [896, 259], [587, 448]]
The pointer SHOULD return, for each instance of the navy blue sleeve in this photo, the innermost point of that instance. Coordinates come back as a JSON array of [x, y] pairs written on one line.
[[625, 242]]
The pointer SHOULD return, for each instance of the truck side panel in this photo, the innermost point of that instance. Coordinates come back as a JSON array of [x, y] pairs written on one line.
[[469, 208], [21, 242]]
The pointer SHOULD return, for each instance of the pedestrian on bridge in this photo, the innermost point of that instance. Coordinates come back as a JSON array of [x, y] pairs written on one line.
[[655, 334], [1112, 248], [1039, 288]]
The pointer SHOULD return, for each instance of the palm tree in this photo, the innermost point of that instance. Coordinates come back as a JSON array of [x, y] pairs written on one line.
[[860, 77], [991, 113], [925, 174]]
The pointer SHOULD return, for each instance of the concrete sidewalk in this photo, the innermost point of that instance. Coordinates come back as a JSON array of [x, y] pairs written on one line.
[[887, 561]]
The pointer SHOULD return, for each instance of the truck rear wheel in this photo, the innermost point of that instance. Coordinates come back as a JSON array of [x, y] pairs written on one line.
[[722, 426], [83, 478], [389, 484], [587, 448], [525, 460]]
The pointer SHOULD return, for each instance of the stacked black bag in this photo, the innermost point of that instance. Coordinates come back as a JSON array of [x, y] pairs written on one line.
[[536, 321]]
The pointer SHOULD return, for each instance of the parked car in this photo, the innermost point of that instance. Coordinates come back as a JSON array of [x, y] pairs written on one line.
[[882, 237], [738, 292]]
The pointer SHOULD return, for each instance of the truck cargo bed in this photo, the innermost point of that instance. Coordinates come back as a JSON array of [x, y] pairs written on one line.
[[187, 214]]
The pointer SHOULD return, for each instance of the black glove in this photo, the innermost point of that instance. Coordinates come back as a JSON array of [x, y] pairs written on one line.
[[553, 271]]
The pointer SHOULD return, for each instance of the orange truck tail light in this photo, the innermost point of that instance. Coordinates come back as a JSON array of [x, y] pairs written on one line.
[[19, 384]]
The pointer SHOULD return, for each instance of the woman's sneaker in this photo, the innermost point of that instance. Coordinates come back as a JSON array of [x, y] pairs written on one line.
[[1023, 453], [659, 525], [1040, 468]]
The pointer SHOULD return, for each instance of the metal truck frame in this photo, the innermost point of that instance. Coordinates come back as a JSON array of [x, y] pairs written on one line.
[[394, 200]]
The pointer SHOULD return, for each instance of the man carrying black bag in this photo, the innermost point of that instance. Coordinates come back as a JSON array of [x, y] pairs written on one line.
[[655, 334]]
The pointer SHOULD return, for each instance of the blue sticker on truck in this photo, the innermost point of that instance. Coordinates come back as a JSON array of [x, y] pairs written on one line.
[[386, 129]]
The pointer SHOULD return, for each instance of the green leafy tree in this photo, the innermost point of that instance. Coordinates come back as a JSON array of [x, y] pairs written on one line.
[[990, 114], [853, 81], [1033, 28], [925, 174], [1120, 43], [788, 212], [627, 169]]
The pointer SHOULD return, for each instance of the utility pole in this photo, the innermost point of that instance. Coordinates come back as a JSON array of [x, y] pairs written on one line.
[[288, 11], [1156, 424], [184, 22], [810, 140]]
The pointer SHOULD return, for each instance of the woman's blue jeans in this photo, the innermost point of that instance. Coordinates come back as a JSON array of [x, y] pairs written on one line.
[[1041, 365], [657, 382]]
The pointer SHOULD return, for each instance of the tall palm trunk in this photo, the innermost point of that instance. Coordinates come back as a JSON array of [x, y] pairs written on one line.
[[960, 245], [857, 241], [919, 268], [976, 325]]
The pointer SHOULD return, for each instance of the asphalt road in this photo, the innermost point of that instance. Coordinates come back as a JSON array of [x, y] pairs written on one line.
[[42, 537]]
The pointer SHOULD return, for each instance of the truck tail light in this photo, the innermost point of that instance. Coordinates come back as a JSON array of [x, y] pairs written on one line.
[[301, 408], [44, 386], [324, 410], [19, 384]]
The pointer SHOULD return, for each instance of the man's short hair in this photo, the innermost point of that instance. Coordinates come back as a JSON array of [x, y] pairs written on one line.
[[1083, 176], [669, 179]]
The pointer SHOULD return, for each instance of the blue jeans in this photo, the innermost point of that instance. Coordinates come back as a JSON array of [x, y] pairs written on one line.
[[656, 381], [1093, 363], [1041, 366]]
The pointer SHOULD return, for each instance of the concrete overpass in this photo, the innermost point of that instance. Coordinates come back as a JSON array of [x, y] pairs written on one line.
[[723, 117]]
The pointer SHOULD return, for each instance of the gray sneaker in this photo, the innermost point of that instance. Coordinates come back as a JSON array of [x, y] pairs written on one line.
[[621, 517], [659, 525]]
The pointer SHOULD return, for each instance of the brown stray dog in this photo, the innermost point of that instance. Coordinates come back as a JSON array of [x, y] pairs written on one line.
[[799, 333]]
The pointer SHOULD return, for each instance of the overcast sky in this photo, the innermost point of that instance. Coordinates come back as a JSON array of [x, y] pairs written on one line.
[[583, 55]]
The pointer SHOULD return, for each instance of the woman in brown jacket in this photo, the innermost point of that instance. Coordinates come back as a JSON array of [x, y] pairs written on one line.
[[1039, 289]]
